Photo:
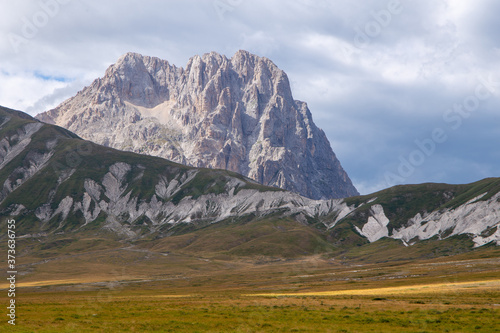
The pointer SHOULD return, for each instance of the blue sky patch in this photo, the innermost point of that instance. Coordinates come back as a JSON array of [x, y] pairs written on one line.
[[46, 77]]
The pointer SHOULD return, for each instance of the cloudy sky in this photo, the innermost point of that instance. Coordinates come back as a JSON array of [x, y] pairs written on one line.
[[407, 91]]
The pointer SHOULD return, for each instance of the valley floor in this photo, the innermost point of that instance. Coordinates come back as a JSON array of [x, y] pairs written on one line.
[[158, 292]]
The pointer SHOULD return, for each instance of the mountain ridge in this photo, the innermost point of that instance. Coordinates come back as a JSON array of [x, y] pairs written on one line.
[[55, 183]]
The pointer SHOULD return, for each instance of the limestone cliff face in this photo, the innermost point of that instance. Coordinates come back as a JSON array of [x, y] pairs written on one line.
[[236, 114]]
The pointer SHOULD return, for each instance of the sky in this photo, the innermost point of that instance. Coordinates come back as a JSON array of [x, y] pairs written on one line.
[[406, 91]]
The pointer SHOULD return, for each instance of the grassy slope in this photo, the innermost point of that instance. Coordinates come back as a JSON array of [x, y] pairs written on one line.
[[90, 161]]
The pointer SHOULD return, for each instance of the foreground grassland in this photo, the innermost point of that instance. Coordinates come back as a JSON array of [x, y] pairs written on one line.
[[130, 289], [129, 311]]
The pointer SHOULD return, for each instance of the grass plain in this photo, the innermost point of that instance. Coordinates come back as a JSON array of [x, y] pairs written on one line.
[[134, 289]]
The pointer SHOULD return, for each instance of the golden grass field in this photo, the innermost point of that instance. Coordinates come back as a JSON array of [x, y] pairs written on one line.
[[436, 288]]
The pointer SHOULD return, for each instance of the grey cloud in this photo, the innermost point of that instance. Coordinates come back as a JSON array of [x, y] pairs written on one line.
[[49, 101]]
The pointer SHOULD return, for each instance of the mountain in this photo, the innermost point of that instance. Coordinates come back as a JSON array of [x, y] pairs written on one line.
[[236, 114], [56, 184]]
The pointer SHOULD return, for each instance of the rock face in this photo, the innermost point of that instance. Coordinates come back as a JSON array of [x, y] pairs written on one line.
[[236, 114]]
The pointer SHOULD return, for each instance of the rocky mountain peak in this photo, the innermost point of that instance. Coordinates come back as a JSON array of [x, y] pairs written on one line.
[[236, 114]]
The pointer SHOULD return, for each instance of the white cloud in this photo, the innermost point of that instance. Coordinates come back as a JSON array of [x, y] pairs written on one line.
[[22, 90], [259, 42], [372, 101]]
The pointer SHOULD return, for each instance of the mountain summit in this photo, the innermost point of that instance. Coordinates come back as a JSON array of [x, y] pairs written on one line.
[[236, 114]]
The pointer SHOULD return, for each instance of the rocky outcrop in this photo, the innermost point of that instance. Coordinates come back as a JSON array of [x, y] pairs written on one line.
[[112, 197], [236, 114], [478, 218], [13, 145]]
